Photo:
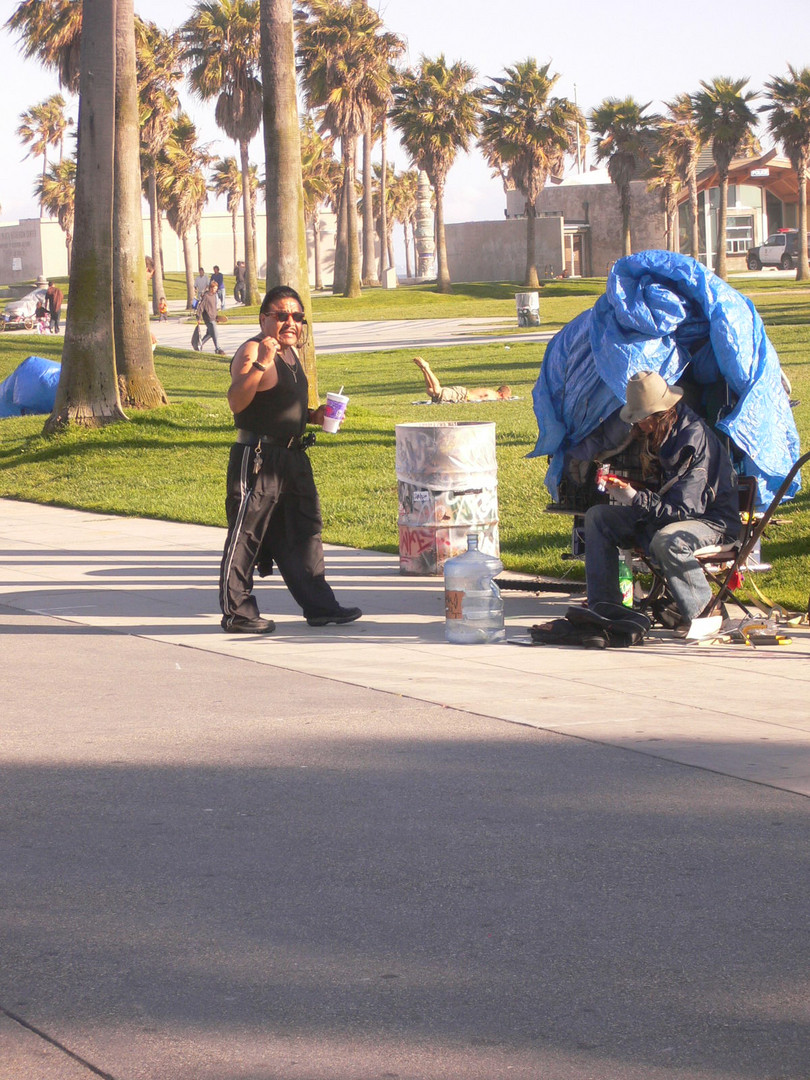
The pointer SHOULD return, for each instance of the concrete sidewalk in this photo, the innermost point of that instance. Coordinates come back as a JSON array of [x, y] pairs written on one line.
[[356, 852], [736, 710]]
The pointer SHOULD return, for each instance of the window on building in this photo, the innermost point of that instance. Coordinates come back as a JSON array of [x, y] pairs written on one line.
[[739, 235]]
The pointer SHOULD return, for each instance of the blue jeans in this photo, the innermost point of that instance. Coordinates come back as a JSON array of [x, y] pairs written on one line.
[[609, 528]]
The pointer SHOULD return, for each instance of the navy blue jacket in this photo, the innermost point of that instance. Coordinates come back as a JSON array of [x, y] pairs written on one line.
[[703, 482]]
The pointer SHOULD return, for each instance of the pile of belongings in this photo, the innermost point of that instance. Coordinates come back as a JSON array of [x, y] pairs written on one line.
[[30, 388], [668, 313], [603, 626]]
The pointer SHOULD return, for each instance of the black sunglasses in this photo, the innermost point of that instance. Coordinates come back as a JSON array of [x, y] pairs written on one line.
[[282, 316]]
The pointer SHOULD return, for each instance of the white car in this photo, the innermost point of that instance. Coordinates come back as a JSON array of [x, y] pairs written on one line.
[[19, 314]]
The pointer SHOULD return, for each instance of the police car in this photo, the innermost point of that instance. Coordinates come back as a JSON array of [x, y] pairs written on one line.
[[780, 249]]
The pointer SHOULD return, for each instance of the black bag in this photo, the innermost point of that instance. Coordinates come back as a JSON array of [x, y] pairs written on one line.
[[195, 338], [621, 626]]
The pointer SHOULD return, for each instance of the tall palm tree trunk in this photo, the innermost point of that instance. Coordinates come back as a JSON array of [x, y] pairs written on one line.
[[316, 247], [189, 266], [87, 394], [251, 280], [443, 283], [234, 224], [624, 198], [531, 280], [384, 237], [370, 276], [803, 266], [284, 192], [352, 288], [154, 233], [341, 244], [407, 251], [138, 383], [694, 225], [722, 217], [199, 244]]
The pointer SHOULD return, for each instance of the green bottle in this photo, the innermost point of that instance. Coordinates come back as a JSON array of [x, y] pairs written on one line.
[[626, 577]]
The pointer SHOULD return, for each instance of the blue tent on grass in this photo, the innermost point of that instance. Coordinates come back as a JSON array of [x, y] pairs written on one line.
[[30, 388], [667, 313]]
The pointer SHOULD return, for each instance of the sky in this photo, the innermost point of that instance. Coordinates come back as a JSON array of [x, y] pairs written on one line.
[[651, 51]]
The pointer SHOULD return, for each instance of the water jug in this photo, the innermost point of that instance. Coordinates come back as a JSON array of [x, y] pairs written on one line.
[[472, 601]]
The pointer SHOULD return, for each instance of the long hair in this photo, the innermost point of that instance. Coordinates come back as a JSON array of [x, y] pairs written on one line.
[[652, 441]]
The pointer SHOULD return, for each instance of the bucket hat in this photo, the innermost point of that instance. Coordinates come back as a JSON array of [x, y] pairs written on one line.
[[648, 393]]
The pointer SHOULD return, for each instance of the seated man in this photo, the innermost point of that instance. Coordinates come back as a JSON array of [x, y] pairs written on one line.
[[451, 395], [696, 505]]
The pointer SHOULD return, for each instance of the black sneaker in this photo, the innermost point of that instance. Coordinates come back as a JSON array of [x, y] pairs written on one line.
[[238, 624], [342, 615]]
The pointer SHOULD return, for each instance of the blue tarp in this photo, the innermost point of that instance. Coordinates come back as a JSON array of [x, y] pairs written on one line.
[[30, 388], [665, 312]]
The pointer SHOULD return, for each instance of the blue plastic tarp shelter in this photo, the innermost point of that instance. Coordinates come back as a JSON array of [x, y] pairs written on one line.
[[30, 388], [666, 312]]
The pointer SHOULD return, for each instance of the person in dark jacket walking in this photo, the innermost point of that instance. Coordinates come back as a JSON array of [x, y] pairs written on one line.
[[53, 301], [207, 311], [696, 505]]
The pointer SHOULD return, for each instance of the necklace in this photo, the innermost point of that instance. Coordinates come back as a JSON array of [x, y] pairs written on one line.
[[292, 366]]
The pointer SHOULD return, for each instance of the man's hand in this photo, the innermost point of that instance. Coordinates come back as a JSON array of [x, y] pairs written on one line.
[[620, 490], [316, 416]]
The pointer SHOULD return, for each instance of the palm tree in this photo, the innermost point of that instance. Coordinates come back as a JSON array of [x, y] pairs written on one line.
[[284, 196], [682, 138], [436, 113], [788, 109], [664, 177], [226, 181], [158, 65], [221, 40], [529, 132], [321, 176], [403, 206], [56, 191], [44, 125], [138, 384], [183, 187], [50, 31], [624, 130], [344, 59], [87, 394], [724, 117]]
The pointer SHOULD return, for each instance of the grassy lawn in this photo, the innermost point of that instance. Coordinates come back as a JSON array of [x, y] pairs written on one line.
[[170, 463]]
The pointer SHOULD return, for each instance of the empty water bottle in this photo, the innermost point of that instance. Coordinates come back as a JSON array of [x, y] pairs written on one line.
[[472, 600]]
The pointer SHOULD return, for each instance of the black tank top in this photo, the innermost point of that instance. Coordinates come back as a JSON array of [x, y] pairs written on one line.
[[281, 412]]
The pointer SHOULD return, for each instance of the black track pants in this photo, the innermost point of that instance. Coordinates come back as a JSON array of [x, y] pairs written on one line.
[[273, 513]]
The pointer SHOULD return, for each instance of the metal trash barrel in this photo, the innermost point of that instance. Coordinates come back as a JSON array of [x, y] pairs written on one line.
[[528, 308], [447, 486]]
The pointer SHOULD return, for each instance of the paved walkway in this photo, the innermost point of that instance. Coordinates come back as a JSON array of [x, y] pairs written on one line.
[[355, 852], [361, 336]]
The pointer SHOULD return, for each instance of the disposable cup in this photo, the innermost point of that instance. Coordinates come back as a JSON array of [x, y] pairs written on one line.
[[334, 411]]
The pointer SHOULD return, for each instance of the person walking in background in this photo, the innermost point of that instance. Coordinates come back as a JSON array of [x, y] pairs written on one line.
[[272, 505], [239, 287], [163, 309], [200, 285], [53, 302], [207, 312], [220, 284]]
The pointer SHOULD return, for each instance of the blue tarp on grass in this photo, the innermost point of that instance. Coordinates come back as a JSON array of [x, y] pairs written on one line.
[[665, 312], [30, 388]]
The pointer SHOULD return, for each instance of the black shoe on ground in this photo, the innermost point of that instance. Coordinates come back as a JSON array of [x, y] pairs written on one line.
[[221, 352], [342, 615], [238, 624]]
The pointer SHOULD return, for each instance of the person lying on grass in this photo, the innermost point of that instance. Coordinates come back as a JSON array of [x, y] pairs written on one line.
[[452, 395]]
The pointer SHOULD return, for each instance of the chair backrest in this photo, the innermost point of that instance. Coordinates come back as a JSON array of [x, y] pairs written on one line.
[[747, 494]]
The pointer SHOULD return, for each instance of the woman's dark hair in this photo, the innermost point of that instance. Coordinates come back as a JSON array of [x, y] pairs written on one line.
[[280, 292]]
